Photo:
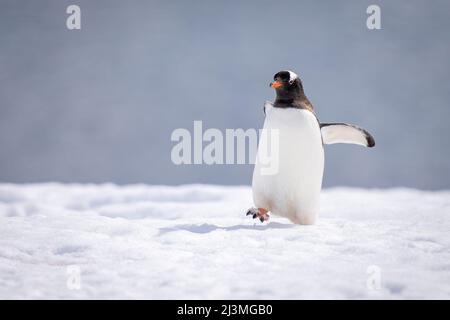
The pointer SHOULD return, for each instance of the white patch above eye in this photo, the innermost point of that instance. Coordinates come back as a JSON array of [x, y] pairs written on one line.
[[292, 76]]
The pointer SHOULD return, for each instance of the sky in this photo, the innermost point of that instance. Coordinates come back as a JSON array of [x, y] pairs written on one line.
[[99, 104]]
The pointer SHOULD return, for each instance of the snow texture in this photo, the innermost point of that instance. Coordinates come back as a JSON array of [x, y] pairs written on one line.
[[195, 242]]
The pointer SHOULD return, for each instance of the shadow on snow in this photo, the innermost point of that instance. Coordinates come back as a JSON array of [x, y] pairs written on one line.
[[207, 228]]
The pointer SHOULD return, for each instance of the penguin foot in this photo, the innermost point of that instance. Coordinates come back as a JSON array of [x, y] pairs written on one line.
[[260, 213]]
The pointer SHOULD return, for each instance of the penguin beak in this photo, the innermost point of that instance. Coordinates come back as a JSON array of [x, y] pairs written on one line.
[[276, 84]]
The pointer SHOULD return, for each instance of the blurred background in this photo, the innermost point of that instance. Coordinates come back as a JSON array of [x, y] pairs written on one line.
[[99, 104]]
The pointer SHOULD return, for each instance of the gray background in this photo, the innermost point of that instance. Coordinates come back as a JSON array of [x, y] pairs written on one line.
[[100, 104]]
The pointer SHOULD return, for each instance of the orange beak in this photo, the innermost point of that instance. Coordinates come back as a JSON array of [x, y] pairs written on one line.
[[276, 84]]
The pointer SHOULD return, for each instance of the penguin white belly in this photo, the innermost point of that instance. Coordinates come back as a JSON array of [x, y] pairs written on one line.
[[293, 190]]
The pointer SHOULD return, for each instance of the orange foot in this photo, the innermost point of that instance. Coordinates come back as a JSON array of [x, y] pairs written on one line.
[[260, 213]]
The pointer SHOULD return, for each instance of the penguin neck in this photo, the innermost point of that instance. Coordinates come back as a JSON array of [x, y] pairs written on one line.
[[296, 99]]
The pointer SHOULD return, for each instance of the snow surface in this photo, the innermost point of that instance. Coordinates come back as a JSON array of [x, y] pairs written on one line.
[[195, 242]]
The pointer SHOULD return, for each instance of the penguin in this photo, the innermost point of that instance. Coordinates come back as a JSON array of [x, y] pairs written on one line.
[[293, 189]]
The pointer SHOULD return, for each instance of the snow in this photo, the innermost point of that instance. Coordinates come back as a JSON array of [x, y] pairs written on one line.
[[194, 241]]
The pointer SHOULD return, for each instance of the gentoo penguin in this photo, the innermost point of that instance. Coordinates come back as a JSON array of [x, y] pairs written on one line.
[[293, 189]]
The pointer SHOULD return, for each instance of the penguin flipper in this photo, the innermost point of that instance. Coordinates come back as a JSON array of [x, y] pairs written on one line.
[[267, 106], [345, 133]]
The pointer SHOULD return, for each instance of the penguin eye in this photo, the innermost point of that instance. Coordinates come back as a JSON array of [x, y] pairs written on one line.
[[283, 76]]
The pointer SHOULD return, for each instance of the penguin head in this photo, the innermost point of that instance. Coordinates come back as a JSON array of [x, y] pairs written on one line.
[[287, 84]]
